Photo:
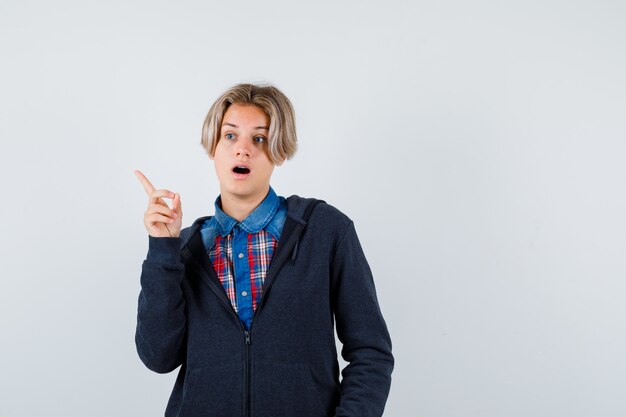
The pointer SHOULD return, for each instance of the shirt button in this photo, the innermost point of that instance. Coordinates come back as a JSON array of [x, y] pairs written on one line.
[[244, 293], [240, 255]]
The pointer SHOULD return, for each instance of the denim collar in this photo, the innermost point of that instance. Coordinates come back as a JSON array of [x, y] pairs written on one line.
[[257, 220]]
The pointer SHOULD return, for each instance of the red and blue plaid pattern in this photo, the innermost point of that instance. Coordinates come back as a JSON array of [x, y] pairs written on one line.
[[260, 249]]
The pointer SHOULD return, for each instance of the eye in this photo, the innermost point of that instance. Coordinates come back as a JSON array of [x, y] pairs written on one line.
[[229, 136], [259, 139]]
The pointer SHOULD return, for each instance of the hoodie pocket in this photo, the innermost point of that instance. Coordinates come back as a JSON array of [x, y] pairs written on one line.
[[286, 390], [212, 392]]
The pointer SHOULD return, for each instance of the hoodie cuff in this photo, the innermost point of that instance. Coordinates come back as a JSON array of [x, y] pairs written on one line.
[[164, 249]]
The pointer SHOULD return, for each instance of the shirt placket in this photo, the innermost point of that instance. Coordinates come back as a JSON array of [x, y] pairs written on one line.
[[242, 275]]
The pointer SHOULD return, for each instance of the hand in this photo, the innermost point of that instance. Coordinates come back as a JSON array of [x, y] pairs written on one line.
[[159, 219]]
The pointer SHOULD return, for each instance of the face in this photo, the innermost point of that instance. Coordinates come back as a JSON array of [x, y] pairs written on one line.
[[241, 161]]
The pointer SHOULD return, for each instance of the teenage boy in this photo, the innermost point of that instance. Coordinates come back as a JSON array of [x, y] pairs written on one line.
[[246, 301]]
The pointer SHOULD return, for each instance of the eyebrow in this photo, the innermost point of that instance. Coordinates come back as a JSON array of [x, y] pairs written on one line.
[[235, 126]]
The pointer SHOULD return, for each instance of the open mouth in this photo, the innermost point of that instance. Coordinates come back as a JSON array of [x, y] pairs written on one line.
[[241, 170]]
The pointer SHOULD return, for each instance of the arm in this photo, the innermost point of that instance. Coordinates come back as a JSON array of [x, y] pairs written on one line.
[[362, 331], [161, 320]]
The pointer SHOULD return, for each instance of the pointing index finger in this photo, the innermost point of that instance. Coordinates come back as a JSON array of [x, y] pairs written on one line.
[[147, 185]]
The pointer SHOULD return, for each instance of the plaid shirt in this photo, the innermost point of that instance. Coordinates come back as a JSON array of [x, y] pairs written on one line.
[[241, 252]]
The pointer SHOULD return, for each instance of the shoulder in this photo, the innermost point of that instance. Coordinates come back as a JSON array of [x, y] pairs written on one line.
[[323, 213]]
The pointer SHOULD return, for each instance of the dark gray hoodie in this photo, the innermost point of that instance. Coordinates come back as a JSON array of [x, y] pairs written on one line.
[[286, 365]]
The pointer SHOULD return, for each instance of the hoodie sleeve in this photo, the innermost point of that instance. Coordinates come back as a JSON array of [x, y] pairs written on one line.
[[161, 319], [362, 331]]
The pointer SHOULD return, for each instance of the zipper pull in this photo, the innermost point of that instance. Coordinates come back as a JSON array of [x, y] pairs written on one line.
[[247, 333]]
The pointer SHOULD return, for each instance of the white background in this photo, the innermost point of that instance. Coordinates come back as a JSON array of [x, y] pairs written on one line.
[[478, 146]]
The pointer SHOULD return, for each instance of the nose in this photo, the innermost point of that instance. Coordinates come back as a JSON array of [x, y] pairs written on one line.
[[244, 149]]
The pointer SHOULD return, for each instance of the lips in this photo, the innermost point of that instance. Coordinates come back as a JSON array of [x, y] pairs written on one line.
[[241, 171]]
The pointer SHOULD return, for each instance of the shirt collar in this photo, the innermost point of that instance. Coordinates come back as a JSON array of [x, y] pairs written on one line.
[[257, 220]]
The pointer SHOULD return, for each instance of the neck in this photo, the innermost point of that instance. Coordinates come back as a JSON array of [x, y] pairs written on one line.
[[240, 207]]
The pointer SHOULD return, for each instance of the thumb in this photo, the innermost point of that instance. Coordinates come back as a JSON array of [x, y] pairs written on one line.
[[176, 206]]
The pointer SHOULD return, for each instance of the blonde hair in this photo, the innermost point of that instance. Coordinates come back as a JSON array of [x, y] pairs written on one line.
[[281, 143]]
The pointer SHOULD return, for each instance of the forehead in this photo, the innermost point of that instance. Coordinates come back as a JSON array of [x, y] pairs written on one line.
[[245, 115]]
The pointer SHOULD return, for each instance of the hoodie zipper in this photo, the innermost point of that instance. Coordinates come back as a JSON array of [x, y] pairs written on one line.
[[247, 411]]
